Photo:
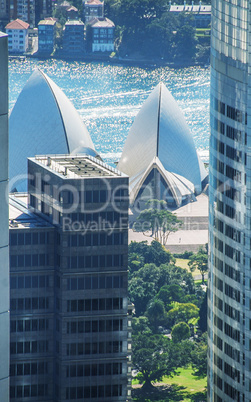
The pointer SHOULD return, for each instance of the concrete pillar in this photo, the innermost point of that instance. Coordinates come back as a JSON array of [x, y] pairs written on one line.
[[4, 223]]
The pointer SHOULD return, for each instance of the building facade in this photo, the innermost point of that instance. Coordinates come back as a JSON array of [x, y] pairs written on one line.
[[30, 11], [17, 32], [93, 9], [100, 35], [4, 243], [229, 296], [73, 40], [46, 36], [69, 267]]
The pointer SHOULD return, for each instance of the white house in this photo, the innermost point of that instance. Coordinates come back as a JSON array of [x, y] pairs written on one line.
[[102, 35], [17, 36]]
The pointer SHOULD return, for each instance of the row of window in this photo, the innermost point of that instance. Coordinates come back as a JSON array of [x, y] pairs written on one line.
[[232, 273], [35, 368], [95, 282], [29, 260], [102, 217], [233, 174], [232, 372], [232, 392], [232, 332], [83, 327], [95, 261], [93, 348], [94, 305], [26, 347], [232, 253], [27, 325], [232, 312], [29, 303], [233, 293], [28, 282], [117, 194], [232, 352], [30, 238], [87, 370], [95, 239], [27, 391], [231, 153], [232, 113], [217, 361], [217, 381], [100, 391]]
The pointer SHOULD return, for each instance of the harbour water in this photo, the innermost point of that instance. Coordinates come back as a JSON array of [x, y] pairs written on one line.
[[108, 97]]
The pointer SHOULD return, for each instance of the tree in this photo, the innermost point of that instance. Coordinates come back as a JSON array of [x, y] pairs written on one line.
[[153, 357], [170, 293], [199, 261], [141, 326], [145, 283], [182, 312], [156, 313], [154, 253], [180, 332], [185, 39], [157, 221], [199, 357]]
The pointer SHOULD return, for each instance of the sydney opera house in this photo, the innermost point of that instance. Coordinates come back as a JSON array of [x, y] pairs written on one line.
[[43, 121], [159, 154]]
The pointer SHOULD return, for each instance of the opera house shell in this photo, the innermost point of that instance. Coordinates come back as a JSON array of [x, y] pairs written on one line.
[[43, 121], [159, 154]]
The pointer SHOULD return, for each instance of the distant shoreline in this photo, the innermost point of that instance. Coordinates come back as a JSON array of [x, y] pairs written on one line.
[[114, 60]]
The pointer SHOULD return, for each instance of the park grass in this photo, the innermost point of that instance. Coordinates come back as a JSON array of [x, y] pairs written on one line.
[[183, 263], [185, 385], [186, 379]]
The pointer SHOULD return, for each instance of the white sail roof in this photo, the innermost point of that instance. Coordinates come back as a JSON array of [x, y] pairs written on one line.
[[44, 121], [160, 130]]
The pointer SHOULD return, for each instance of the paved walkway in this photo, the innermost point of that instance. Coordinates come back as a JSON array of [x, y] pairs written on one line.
[[183, 240]]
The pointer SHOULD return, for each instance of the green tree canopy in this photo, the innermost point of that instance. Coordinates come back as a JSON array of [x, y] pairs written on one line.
[[182, 312], [145, 283], [154, 253], [180, 332], [156, 314], [157, 221], [199, 357], [153, 357], [199, 261]]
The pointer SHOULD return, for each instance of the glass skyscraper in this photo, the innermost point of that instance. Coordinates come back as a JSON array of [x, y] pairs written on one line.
[[229, 291]]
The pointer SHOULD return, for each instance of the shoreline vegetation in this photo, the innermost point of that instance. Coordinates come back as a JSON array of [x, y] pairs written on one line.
[[146, 35]]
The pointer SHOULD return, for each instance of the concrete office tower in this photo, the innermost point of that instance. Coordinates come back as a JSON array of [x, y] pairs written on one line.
[[4, 224], [229, 294], [68, 262]]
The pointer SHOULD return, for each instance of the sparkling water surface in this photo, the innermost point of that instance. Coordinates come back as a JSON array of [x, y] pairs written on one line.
[[108, 97]]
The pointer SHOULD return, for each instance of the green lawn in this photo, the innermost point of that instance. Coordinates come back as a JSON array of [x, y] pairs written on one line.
[[185, 386], [187, 379], [183, 263]]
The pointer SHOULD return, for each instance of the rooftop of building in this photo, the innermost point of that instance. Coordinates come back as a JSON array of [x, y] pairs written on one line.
[[17, 24], [47, 22], [101, 23], [72, 8], [20, 217], [77, 166], [74, 22], [94, 2]]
